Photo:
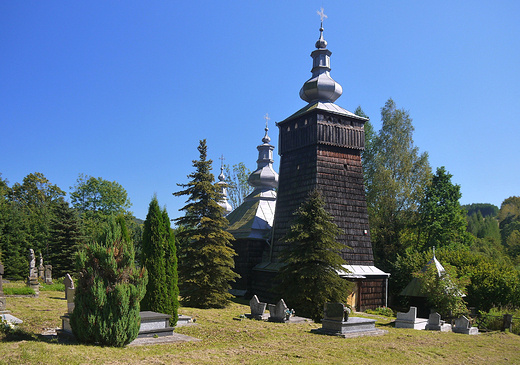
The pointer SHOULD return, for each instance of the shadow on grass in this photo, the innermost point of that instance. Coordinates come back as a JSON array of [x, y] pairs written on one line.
[[18, 335]]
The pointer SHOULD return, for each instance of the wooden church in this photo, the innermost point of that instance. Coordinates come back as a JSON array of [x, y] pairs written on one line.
[[320, 148]]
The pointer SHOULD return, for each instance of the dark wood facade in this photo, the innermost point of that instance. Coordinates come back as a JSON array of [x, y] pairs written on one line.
[[322, 150]]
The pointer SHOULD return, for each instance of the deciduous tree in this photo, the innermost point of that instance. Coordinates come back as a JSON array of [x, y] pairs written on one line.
[[395, 178]]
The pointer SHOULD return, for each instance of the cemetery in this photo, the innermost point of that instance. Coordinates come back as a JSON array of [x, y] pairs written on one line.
[[255, 287], [221, 339]]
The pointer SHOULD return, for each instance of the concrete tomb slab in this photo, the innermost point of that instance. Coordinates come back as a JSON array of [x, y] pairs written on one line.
[[410, 320], [334, 324]]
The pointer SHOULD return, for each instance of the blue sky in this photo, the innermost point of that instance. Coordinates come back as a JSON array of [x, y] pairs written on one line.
[[125, 90]]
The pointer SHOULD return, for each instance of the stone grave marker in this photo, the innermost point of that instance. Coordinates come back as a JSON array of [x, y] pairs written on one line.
[[277, 313], [32, 280], [436, 324], [410, 320], [257, 308], [48, 274], [334, 311], [41, 269], [463, 325], [334, 324]]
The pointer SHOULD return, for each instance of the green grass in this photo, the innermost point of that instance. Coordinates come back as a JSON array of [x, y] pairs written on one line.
[[25, 290], [228, 341]]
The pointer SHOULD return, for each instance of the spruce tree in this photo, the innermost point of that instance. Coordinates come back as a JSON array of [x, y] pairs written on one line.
[[309, 278], [65, 239], [208, 255]]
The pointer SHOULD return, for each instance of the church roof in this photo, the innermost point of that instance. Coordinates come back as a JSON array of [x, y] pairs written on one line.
[[254, 217], [326, 106]]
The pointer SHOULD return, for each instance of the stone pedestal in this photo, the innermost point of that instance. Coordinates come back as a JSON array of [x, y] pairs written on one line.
[[3, 303], [32, 282], [154, 324]]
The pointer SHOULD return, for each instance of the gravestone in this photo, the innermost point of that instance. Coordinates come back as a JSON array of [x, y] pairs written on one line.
[[436, 324], [334, 323], [41, 269], [48, 274], [410, 320], [334, 311], [278, 312], [257, 308], [463, 325], [69, 284], [32, 280]]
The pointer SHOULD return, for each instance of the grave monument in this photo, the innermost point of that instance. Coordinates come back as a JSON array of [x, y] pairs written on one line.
[[337, 322]]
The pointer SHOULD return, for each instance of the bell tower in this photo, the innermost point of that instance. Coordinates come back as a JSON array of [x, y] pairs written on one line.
[[320, 148]]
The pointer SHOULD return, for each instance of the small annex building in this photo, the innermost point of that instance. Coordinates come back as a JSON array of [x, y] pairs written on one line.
[[320, 148]]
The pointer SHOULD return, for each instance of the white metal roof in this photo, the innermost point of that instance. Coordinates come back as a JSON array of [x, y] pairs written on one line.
[[361, 271]]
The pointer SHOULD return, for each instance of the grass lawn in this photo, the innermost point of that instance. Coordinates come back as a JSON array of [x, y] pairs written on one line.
[[227, 341]]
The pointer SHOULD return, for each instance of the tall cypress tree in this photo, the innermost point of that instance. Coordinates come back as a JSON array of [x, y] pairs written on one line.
[[208, 255], [170, 257], [309, 278], [159, 257]]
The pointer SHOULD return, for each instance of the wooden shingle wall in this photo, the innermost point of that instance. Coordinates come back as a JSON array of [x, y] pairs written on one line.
[[323, 152]]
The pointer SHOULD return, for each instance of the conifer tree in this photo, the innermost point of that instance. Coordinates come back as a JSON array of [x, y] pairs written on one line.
[[65, 239], [172, 278], [309, 278], [108, 293], [208, 255], [159, 257]]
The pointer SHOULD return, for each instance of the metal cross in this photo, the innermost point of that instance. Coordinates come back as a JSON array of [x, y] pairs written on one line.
[[267, 119], [322, 15], [221, 158]]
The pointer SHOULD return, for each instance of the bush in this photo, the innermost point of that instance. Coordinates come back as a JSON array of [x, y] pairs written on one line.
[[494, 319], [382, 311], [108, 294]]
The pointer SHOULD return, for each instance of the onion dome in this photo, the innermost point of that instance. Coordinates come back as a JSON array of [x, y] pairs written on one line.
[[224, 202], [321, 87], [264, 177]]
